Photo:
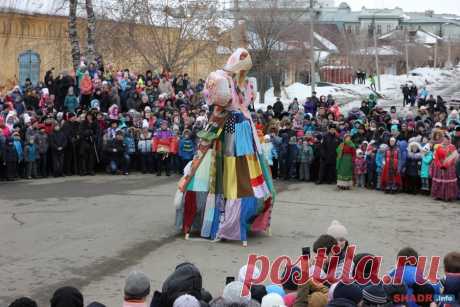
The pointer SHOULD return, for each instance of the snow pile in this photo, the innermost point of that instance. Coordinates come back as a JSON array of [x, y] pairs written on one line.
[[351, 95]]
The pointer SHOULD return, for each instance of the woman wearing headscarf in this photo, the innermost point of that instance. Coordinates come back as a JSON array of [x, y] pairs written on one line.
[[345, 157], [444, 184], [391, 176], [228, 189]]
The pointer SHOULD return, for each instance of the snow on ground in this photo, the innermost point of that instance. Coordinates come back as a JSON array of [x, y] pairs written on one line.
[[351, 95]]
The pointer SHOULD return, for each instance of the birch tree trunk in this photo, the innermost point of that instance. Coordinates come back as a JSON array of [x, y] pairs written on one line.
[[91, 33], [73, 34]]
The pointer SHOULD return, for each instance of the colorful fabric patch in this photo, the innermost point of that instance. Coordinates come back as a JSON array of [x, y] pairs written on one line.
[[243, 139], [229, 180], [243, 181], [229, 227]]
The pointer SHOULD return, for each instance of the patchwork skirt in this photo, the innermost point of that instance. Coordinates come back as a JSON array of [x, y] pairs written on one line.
[[232, 191]]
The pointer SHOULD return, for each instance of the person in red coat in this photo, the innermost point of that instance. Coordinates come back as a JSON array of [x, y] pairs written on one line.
[[164, 145], [391, 176]]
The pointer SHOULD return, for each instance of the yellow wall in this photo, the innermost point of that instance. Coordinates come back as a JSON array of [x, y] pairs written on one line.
[[47, 35]]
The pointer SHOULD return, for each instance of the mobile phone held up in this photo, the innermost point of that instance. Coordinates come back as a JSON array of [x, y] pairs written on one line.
[[306, 251], [229, 279]]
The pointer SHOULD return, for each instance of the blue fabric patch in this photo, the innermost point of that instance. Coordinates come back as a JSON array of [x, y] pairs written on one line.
[[248, 210], [243, 139]]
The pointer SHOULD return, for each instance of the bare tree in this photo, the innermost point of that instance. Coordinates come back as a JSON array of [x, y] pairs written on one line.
[[91, 32], [73, 33], [269, 24], [169, 33]]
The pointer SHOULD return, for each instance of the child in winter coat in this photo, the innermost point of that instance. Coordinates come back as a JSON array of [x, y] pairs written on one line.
[[427, 158], [413, 163], [10, 159], [305, 158], [293, 152], [371, 176], [186, 149], [360, 169], [269, 151], [130, 149], [379, 162], [31, 157], [144, 146], [71, 101]]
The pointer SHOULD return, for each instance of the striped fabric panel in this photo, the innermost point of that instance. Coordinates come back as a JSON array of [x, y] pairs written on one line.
[[257, 179]]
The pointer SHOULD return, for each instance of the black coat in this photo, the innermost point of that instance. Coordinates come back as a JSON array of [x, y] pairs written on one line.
[[57, 140], [328, 147], [186, 279], [10, 155]]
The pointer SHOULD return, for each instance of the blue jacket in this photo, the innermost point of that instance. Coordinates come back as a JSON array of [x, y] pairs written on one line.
[[402, 156], [186, 149], [19, 151], [130, 145], [409, 279], [30, 153], [426, 163]]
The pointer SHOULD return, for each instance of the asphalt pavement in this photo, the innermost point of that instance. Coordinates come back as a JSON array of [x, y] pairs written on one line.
[[89, 232]]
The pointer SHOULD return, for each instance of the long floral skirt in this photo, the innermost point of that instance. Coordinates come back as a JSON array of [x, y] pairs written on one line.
[[232, 190], [345, 172], [444, 183]]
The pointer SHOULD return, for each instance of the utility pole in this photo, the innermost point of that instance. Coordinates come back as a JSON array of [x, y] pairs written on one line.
[[449, 53], [376, 55], [435, 62], [406, 50], [312, 47]]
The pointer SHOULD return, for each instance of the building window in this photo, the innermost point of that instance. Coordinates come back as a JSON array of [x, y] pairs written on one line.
[[379, 29], [29, 67], [389, 28], [349, 29], [357, 29]]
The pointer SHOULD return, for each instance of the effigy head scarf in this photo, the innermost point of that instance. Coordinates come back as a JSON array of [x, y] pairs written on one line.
[[239, 63]]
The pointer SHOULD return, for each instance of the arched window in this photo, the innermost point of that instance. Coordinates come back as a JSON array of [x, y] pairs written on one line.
[[29, 67]]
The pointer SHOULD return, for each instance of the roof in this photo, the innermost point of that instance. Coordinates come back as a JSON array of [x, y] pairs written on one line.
[[381, 51], [419, 36]]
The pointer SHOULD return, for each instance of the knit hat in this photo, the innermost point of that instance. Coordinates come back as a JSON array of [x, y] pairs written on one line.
[[351, 292], [242, 273], [67, 297], [337, 230], [23, 302], [186, 300], [375, 294], [137, 285], [272, 300], [96, 304], [275, 289], [232, 293]]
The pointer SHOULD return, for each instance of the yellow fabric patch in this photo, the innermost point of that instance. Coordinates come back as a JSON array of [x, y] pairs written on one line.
[[254, 166], [230, 186]]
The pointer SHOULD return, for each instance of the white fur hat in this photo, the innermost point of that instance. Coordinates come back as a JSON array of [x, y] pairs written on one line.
[[272, 299], [337, 230]]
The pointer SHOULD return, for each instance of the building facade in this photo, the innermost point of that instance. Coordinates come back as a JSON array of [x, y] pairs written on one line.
[[31, 44]]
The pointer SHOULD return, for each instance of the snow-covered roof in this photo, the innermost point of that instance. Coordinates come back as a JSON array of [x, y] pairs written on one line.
[[382, 51], [425, 37], [326, 43]]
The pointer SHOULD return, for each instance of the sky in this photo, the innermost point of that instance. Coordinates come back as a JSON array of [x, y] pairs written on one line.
[[439, 6]]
